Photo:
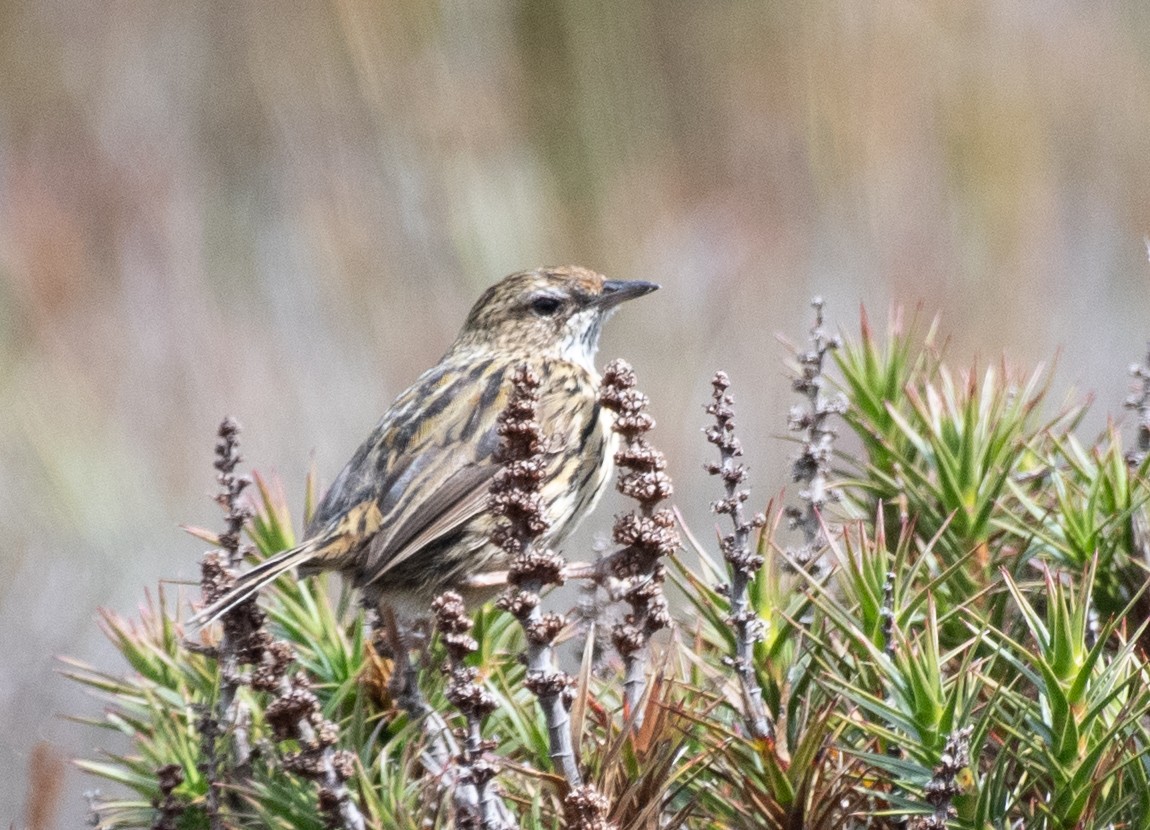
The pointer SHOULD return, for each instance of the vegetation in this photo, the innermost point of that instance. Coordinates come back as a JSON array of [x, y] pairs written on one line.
[[966, 649]]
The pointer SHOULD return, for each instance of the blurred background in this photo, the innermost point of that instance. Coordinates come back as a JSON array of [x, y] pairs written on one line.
[[282, 211]]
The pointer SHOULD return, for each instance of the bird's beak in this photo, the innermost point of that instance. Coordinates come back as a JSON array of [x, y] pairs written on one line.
[[618, 291]]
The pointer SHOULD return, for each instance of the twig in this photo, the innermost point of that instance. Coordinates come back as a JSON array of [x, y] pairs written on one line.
[[92, 798], [943, 786], [477, 804], [742, 563], [1139, 401], [515, 498], [812, 467], [217, 574], [231, 489], [647, 535], [886, 614], [886, 617], [295, 711]]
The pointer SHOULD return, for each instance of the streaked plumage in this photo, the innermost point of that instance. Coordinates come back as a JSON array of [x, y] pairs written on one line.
[[406, 519]]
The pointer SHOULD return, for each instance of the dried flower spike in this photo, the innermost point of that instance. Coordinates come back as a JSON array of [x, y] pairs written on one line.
[[943, 785], [646, 536], [587, 809], [294, 712], [742, 563], [1139, 401], [515, 499], [477, 803], [812, 466]]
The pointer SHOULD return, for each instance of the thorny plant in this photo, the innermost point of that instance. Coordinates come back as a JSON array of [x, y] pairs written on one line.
[[944, 669]]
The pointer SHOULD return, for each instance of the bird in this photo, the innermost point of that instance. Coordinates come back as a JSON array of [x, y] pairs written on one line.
[[407, 517]]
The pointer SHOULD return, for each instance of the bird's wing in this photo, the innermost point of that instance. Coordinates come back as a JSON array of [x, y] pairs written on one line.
[[453, 504], [434, 478], [433, 513], [423, 474], [427, 467]]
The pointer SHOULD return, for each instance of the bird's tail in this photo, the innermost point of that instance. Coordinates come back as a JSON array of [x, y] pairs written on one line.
[[259, 577]]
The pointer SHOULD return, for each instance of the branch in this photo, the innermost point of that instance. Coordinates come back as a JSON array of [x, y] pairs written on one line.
[[812, 467], [647, 535], [230, 716], [1139, 401], [943, 786], [477, 805], [295, 711], [516, 501], [742, 564]]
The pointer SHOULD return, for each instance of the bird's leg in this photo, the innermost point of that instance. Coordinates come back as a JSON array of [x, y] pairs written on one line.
[[409, 651], [414, 642], [598, 572], [404, 684], [581, 570]]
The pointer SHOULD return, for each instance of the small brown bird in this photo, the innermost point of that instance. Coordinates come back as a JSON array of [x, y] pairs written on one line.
[[407, 517]]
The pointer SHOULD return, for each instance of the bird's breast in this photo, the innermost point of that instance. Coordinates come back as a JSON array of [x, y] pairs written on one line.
[[584, 449]]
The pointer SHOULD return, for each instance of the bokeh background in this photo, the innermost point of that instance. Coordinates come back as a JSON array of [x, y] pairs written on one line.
[[282, 211]]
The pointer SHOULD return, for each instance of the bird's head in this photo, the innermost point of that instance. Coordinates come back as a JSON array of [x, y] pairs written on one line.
[[556, 312]]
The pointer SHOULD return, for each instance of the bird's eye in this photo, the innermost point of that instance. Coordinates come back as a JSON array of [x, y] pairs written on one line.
[[546, 306]]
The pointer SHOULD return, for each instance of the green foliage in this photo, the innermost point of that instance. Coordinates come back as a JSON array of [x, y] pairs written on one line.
[[1089, 506], [989, 579]]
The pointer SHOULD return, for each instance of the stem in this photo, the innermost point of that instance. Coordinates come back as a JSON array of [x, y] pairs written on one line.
[[1139, 401], [812, 467], [515, 499], [742, 565], [646, 535], [476, 802], [296, 713], [230, 716], [552, 687], [516, 502]]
